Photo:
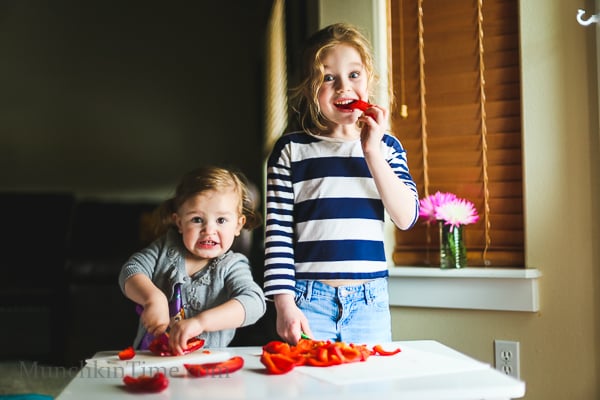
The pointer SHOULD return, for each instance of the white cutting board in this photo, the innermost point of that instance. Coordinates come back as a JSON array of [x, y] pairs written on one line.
[[146, 363], [409, 363]]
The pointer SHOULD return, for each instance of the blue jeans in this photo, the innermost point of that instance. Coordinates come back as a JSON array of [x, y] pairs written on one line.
[[353, 314]]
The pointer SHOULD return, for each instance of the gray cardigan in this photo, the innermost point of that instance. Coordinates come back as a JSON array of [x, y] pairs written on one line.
[[226, 277]]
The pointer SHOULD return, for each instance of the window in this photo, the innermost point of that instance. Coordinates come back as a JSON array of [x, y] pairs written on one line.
[[455, 65]]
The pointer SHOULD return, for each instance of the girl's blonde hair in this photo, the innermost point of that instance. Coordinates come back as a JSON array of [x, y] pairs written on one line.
[[204, 179], [305, 95]]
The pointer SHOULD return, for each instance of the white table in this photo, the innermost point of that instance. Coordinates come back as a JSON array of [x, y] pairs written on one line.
[[423, 370]]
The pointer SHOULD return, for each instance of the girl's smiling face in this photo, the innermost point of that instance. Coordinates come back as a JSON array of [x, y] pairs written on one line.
[[209, 222], [344, 79]]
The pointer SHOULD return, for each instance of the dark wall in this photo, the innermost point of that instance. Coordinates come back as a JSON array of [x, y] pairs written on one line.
[[125, 96], [110, 99]]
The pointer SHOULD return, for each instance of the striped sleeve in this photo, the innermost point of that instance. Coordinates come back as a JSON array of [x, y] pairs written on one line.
[[398, 161], [279, 274]]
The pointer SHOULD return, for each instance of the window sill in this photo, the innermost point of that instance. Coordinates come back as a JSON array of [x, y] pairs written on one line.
[[501, 289]]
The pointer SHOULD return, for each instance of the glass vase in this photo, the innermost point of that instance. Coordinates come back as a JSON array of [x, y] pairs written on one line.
[[453, 253]]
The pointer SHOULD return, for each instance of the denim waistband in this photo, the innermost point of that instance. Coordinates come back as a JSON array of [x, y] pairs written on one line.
[[368, 290]]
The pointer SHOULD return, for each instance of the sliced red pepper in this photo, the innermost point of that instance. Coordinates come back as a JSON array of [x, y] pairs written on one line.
[[349, 354], [313, 362], [279, 357], [365, 353], [193, 344], [216, 369], [322, 354], [146, 383], [326, 356], [127, 354], [277, 364], [276, 346], [379, 350], [160, 345]]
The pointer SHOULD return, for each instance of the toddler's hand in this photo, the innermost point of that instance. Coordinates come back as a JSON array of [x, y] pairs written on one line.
[[155, 316], [182, 331]]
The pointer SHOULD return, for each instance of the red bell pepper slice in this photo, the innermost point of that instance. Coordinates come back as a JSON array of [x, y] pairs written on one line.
[[277, 364], [379, 350], [216, 369], [324, 359], [276, 346], [322, 354], [193, 344], [127, 354], [356, 104], [146, 383], [160, 345], [349, 354]]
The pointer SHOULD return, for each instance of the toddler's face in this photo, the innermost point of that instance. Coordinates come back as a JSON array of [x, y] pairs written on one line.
[[209, 222], [345, 79]]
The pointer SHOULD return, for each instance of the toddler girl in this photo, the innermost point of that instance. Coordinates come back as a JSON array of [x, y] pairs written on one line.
[[191, 264]]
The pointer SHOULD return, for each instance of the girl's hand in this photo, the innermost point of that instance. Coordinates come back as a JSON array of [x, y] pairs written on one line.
[[155, 316], [291, 322], [374, 124], [182, 331], [228, 315]]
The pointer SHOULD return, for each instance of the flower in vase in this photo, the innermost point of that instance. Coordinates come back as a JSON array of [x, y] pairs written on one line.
[[430, 204], [451, 213], [457, 212], [448, 208]]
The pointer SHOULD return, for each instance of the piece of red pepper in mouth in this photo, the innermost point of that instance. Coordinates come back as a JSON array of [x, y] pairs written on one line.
[[356, 104], [223, 368], [146, 383]]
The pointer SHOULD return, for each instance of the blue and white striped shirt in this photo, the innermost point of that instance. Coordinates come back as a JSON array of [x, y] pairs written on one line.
[[324, 217]]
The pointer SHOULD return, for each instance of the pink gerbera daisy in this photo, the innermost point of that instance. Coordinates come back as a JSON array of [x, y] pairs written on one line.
[[431, 203], [457, 212]]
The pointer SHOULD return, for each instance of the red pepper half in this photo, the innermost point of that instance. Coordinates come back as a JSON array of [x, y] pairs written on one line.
[[160, 345], [216, 369], [127, 354], [379, 350], [146, 383]]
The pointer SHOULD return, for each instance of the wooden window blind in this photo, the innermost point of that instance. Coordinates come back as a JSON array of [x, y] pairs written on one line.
[[455, 66]]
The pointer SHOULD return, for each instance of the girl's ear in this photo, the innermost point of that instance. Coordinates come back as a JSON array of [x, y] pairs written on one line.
[[240, 226], [177, 221]]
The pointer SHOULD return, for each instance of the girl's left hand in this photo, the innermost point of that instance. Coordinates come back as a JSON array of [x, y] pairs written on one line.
[[374, 124], [182, 331]]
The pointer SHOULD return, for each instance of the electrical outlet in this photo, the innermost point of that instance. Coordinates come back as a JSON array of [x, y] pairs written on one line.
[[507, 357]]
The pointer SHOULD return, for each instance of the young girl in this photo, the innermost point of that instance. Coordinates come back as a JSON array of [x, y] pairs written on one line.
[[191, 264], [327, 187]]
